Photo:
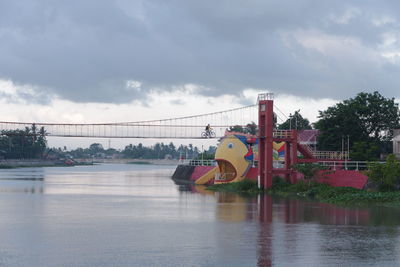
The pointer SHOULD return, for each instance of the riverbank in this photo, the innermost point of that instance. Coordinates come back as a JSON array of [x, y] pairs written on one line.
[[346, 196], [26, 163], [245, 187]]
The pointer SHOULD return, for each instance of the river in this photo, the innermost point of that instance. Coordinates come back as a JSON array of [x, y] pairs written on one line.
[[134, 215]]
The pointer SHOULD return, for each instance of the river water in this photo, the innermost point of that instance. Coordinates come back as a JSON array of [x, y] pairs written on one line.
[[134, 215]]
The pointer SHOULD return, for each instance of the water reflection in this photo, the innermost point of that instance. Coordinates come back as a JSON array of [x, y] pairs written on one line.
[[264, 251], [22, 180], [136, 215], [235, 207], [24, 189], [294, 231]]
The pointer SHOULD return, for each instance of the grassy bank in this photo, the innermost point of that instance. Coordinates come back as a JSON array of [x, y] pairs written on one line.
[[335, 195], [321, 192], [245, 187]]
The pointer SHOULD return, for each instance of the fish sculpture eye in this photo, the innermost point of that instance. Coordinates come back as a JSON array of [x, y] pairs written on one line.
[[230, 145]]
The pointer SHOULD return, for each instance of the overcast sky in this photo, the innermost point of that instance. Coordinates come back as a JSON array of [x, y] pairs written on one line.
[[96, 61]]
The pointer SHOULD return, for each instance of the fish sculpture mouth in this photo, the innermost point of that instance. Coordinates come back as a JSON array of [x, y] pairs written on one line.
[[227, 170]]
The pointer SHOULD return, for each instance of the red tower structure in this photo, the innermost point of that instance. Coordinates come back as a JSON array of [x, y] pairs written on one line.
[[265, 137]]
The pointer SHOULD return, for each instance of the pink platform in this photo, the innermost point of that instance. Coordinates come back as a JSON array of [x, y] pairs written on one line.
[[338, 178]]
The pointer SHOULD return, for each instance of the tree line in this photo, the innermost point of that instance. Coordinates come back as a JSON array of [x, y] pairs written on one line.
[[157, 151], [23, 144]]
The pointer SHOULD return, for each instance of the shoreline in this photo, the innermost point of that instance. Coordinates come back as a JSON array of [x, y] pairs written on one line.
[[341, 196], [27, 163]]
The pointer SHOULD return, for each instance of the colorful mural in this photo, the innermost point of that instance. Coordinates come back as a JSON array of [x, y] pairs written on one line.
[[235, 156]]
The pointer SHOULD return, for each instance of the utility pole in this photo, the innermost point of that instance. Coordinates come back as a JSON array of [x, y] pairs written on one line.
[[342, 145], [296, 117]]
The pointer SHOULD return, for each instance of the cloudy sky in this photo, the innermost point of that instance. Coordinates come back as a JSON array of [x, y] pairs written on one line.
[[104, 60]]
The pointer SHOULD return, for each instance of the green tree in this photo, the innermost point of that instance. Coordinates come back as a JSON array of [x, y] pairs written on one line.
[[364, 151], [369, 117], [96, 148], [309, 170], [296, 121], [27, 143], [386, 175], [250, 128], [236, 128]]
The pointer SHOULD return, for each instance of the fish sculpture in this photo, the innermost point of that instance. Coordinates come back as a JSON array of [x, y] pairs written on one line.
[[235, 156]]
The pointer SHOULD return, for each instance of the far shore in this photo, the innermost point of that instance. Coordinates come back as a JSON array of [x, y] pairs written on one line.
[[24, 163], [138, 161]]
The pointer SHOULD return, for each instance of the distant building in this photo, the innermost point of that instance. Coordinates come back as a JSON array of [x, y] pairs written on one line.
[[396, 143]]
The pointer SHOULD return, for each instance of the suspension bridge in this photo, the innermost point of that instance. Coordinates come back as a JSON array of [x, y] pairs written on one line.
[[189, 127]]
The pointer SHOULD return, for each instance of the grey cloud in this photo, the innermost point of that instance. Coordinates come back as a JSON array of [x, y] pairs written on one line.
[[86, 50], [26, 97], [177, 102]]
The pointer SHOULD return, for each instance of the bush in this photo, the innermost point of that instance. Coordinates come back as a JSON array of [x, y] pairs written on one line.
[[309, 170], [386, 175], [246, 186], [278, 182]]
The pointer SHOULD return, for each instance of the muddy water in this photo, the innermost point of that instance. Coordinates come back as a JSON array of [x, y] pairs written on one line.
[[134, 215]]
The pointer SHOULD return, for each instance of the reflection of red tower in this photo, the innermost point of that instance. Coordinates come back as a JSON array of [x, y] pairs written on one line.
[[264, 257]]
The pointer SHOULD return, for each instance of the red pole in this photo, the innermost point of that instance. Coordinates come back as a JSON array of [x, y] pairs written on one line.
[[266, 124], [293, 174], [288, 162], [261, 142]]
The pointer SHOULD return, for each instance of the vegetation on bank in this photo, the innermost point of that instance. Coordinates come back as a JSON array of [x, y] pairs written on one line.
[[244, 187], [346, 196], [334, 195], [386, 176], [384, 185], [31, 166], [40, 165]]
